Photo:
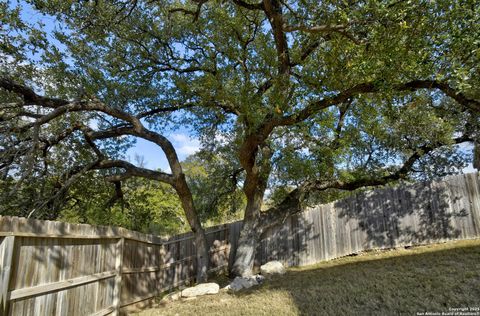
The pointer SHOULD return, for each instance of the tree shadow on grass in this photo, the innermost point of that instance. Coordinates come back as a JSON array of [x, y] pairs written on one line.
[[385, 283]]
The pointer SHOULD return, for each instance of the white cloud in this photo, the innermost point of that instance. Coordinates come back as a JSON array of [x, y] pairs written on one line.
[[185, 145], [179, 138], [188, 150]]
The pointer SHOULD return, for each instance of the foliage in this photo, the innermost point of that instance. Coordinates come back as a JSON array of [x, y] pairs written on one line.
[[146, 206], [300, 96], [215, 188]]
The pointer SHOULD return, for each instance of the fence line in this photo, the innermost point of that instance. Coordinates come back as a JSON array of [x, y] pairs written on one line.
[[54, 268], [390, 217]]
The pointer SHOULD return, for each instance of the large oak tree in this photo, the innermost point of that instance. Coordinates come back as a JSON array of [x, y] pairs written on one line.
[[307, 95]]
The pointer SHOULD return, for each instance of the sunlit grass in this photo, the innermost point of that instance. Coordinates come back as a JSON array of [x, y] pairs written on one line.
[[404, 281]]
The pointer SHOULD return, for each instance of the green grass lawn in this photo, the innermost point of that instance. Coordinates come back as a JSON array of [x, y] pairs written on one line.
[[430, 278]]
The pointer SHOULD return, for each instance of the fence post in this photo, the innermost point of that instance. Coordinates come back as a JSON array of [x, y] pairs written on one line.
[[117, 291], [6, 247]]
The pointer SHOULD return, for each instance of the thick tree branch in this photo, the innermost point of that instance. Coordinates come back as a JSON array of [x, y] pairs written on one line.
[[471, 104], [133, 171], [264, 87], [249, 6], [401, 173], [273, 10], [86, 134], [195, 14], [326, 28], [316, 106], [307, 51], [74, 175], [165, 110], [20, 114], [29, 96], [118, 195], [369, 87], [54, 140], [146, 134], [135, 128]]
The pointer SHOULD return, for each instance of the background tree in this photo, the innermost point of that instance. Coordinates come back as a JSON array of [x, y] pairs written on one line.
[[309, 95], [74, 123], [143, 205], [215, 180]]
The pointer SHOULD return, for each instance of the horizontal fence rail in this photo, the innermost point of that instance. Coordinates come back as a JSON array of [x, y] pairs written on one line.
[[390, 217], [54, 268]]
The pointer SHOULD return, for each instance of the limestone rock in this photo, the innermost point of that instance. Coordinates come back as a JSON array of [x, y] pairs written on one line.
[[240, 283], [271, 268], [201, 289]]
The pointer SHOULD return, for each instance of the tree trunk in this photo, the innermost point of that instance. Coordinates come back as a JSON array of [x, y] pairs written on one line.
[[186, 199], [255, 159], [254, 188], [256, 224], [201, 255], [247, 244]]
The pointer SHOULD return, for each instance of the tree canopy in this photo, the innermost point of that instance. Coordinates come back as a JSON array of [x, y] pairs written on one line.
[[291, 97]]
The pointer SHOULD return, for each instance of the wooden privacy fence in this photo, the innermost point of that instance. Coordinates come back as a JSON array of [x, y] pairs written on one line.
[[53, 268], [390, 217]]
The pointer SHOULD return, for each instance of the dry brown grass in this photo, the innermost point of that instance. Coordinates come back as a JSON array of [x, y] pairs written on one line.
[[405, 281]]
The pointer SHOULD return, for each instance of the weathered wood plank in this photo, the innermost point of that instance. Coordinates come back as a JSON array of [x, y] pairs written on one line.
[[6, 260], [103, 312], [56, 286], [20, 226], [118, 277], [473, 188]]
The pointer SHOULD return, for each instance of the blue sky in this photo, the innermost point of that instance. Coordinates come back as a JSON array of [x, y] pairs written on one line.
[[153, 155], [467, 147]]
